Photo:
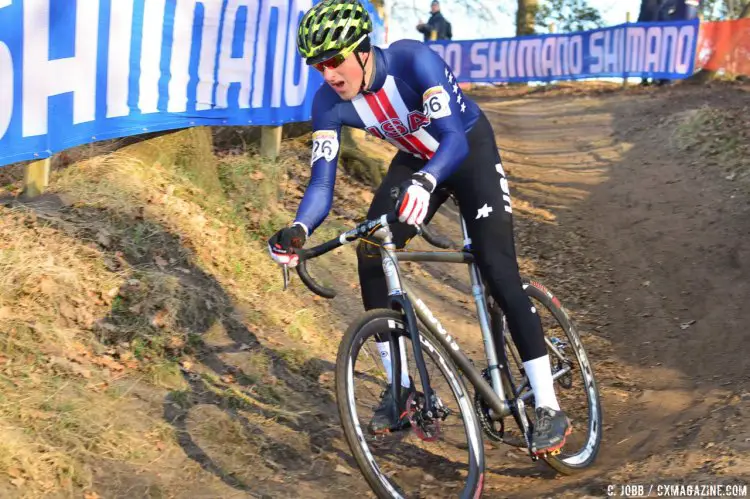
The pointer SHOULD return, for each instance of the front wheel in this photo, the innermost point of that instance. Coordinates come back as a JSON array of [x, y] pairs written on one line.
[[440, 457]]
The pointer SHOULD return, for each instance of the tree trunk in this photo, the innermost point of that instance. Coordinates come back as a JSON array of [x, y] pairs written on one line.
[[745, 11], [525, 17]]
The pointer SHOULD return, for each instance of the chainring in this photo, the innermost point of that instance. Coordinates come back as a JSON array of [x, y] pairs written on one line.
[[483, 413]]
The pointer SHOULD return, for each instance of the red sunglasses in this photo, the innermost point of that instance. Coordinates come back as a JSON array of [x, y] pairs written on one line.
[[338, 59], [332, 63]]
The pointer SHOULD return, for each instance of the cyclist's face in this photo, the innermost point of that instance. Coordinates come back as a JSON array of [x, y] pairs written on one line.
[[346, 78]]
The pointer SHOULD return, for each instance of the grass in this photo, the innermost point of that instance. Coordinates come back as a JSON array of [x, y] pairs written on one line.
[[102, 303]]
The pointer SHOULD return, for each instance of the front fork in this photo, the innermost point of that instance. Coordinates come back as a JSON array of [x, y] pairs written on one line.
[[400, 302]]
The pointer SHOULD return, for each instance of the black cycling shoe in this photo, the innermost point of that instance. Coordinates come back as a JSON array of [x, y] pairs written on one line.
[[550, 431], [382, 421]]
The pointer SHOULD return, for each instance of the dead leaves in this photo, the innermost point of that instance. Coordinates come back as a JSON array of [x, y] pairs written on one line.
[[343, 470], [108, 362], [48, 286], [176, 343], [159, 320], [104, 238], [65, 366], [18, 482], [80, 359]]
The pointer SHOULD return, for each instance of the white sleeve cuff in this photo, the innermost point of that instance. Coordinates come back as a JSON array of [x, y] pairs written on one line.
[[307, 231]]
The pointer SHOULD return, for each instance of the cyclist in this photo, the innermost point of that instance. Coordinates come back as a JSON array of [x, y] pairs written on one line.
[[408, 96]]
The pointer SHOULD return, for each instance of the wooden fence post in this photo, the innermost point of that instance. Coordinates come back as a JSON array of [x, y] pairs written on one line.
[[36, 178], [270, 142]]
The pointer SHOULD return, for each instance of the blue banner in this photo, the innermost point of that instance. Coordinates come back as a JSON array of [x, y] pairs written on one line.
[[79, 71], [653, 50]]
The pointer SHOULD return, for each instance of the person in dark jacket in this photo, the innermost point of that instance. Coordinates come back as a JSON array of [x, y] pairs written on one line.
[[649, 11], [437, 23], [686, 10]]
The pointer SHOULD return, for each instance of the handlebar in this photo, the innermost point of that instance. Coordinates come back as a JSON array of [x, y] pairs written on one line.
[[360, 231], [434, 239]]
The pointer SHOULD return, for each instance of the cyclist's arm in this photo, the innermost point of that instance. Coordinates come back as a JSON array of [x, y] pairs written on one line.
[[445, 113], [318, 198]]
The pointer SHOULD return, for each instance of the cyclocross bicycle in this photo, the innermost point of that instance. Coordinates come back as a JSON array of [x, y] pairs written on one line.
[[437, 450]]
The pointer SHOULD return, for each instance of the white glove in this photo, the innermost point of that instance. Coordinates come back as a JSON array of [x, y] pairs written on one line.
[[282, 244], [414, 201]]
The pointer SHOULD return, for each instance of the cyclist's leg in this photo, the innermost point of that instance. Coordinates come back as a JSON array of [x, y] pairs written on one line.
[[371, 276], [482, 192], [373, 283]]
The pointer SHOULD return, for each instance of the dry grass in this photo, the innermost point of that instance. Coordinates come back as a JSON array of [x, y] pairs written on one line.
[[142, 271]]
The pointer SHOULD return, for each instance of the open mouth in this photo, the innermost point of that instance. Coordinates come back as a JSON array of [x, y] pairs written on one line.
[[338, 86]]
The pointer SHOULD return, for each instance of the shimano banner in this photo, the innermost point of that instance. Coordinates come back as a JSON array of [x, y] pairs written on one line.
[[78, 71], [654, 50]]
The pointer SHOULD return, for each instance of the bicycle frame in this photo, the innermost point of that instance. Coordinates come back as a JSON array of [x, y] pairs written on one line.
[[403, 297]]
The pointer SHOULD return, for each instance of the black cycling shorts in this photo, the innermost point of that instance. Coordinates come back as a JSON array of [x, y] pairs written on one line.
[[481, 188]]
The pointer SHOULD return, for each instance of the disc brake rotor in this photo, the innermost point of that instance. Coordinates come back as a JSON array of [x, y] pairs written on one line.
[[426, 429]]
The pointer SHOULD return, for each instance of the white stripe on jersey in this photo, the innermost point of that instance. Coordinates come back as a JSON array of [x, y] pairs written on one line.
[[427, 139], [391, 90], [364, 111], [368, 118]]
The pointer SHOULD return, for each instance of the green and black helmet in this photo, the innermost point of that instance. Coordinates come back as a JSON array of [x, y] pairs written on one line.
[[330, 27]]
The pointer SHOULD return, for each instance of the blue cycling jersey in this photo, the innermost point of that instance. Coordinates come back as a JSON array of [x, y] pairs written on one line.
[[414, 103]]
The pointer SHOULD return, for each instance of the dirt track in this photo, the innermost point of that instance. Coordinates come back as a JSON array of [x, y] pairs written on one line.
[[650, 250]]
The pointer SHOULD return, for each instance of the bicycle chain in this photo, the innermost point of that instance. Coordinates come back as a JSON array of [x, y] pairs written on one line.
[[483, 413]]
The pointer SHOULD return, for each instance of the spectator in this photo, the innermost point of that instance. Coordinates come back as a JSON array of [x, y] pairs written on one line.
[[686, 10], [649, 11], [437, 24], [677, 10], [666, 10]]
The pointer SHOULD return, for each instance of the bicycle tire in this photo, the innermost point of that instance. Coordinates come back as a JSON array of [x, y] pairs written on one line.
[[573, 463], [379, 321]]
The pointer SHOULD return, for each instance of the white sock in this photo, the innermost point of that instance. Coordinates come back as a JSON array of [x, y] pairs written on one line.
[[540, 378], [385, 356]]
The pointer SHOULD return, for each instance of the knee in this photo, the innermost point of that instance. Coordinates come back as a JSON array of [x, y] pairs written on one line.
[[367, 254]]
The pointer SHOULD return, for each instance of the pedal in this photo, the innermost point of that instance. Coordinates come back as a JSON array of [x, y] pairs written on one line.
[[555, 452]]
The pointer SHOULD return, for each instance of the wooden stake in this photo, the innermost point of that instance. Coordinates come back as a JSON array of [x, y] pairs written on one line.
[[36, 178], [270, 142]]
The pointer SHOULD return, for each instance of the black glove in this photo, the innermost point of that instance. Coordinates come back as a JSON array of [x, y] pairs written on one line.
[[281, 245], [414, 199]]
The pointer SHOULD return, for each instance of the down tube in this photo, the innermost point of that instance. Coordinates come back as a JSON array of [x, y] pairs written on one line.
[[450, 346]]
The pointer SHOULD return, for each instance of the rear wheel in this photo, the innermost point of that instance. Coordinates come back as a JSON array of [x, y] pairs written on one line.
[[575, 385], [437, 457]]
